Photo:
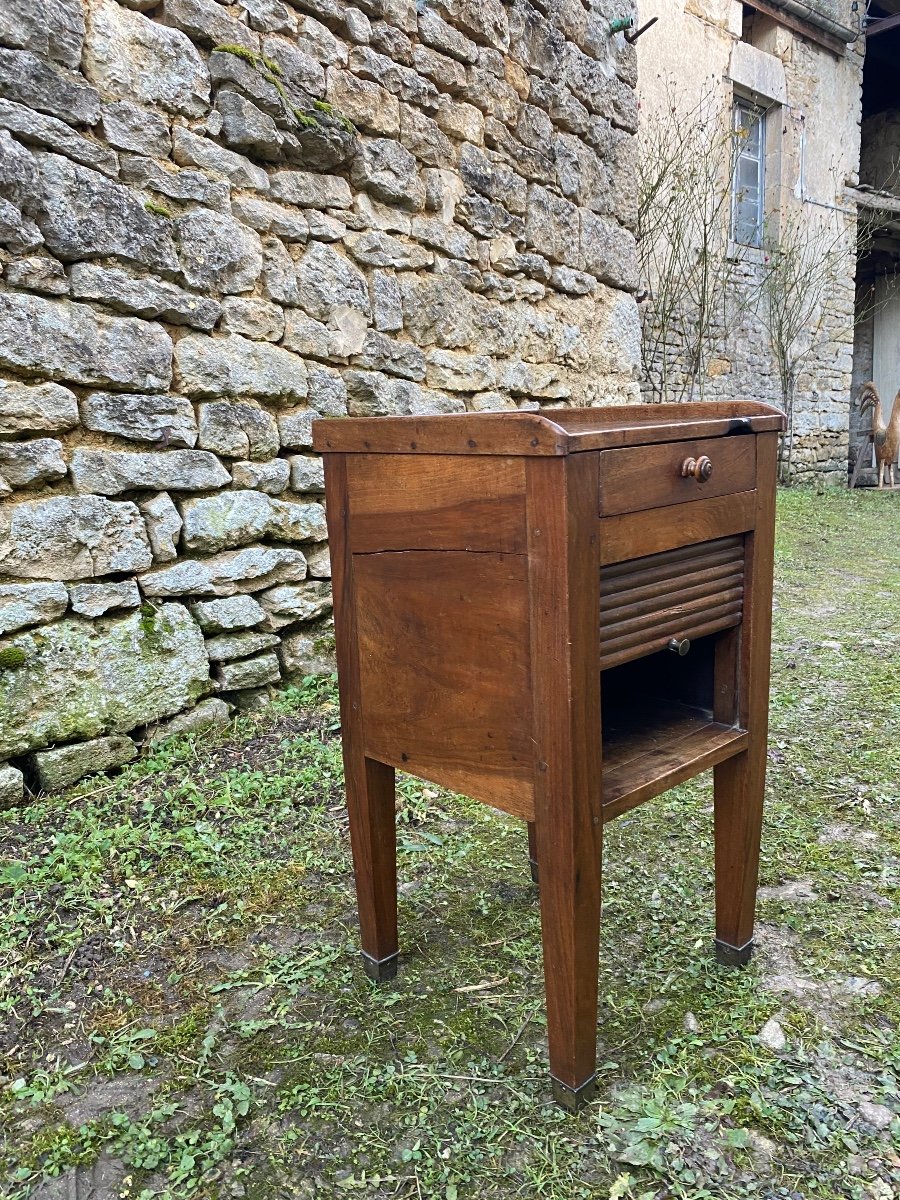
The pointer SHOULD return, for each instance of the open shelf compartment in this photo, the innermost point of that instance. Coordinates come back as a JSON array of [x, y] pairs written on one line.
[[658, 725]]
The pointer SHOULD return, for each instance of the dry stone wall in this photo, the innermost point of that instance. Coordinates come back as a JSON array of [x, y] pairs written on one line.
[[219, 221]]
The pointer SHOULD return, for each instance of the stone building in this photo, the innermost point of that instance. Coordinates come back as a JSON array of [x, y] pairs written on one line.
[[877, 346], [219, 220], [786, 75]]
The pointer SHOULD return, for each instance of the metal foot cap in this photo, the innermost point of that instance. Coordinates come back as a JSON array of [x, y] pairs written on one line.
[[733, 956], [574, 1098], [380, 969]]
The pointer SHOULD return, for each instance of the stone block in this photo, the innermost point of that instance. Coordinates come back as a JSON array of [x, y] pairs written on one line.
[[109, 472], [293, 522], [447, 237], [128, 126], [401, 80], [248, 673], [26, 464], [178, 184], [72, 537], [24, 604], [38, 274], [233, 518], [318, 561], [209, 714], [459, 120], [17, 232], [460, 372], [327, 281], [127, 54], [295, 427], [381, 353], [12, 781], [552, 227], [164, 419], [27, 79], [189, 150], [86, 678], [238, 429], [229, 646], [387, 303], [95, 599], [56, 769], [424, 138], [247, 128], [609, 251], [56, 135], [493, 179], [248, 570], [300, 61], [54, 28], [311, 190], [270, 477], [307, 336], [266, 217], [327, 391], [61, 340], [290, 603], [307, 473], [221, 616], [142, 296], [308, 652], [373, 248], [207, 23], [279, 279], [236, 366], [82, 214], [371, 108], [388, 171], [163, 522], [237, 518], [217, 252]]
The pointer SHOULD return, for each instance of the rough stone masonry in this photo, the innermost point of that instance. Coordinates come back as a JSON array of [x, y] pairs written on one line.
[[221, 220]]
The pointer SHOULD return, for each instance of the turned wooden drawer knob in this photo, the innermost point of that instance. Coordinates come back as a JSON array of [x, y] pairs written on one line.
[[699, 468], [679, 646]]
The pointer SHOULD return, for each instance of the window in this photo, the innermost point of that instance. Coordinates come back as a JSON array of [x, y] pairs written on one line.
[[748, 182]]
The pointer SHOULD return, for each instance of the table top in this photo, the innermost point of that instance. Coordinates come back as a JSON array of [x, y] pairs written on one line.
[[554, 431]]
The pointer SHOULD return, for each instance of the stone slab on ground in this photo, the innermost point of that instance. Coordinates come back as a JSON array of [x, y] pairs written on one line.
[[62, 766]]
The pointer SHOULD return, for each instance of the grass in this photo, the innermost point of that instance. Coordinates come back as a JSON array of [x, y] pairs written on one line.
[[182, 1013]]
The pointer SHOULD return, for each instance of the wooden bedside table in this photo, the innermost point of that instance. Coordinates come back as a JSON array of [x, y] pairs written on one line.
[[561, 614]]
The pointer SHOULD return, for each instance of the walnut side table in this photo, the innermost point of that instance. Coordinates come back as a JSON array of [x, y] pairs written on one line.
[[561, 614]]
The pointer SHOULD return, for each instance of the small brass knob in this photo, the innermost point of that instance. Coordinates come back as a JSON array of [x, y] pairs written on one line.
[[698, 468], [680, 646]]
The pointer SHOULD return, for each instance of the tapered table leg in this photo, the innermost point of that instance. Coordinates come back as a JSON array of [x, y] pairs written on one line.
[[570, 926], [739, 790], [373, 837]]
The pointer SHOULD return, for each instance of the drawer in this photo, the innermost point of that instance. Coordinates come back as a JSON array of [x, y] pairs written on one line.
[[689, 593], [640, 477]]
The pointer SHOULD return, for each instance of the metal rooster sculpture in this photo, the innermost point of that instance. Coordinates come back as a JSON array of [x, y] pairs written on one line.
[[885, 436]]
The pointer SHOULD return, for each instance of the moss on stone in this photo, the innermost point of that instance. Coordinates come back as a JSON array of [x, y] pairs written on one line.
[[12, 657], [307, 120], [251, 56], [159, 210]]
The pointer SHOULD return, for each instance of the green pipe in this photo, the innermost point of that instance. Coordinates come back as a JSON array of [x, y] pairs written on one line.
[[620, 24]]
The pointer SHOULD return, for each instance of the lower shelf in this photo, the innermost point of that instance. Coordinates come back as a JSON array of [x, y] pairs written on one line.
[[647, 753]]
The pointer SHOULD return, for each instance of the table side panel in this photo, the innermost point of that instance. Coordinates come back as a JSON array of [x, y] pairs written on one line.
[[445, 670], [429, 502], [638, 478]]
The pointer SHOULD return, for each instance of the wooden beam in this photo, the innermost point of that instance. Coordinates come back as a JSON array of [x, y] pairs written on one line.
[[882, 25], [798, 25]]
